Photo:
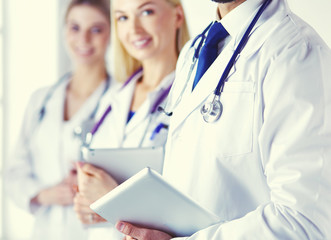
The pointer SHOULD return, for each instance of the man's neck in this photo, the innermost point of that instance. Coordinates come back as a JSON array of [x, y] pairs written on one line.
[[225, 8]]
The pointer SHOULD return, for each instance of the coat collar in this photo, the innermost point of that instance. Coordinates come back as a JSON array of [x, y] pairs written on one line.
[[193, 100], [121, 98], [145, 109]]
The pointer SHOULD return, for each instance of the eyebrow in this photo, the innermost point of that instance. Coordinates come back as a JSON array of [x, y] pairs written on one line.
[[99, 24], [144, 4], [139, 7]]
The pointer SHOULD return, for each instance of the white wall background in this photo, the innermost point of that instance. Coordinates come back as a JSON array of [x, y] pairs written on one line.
[[35, 57], [31, 61]]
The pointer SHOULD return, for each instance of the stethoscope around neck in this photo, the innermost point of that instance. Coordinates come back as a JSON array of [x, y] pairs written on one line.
[[153, 109], [211, 111], [85, 126], [42, 111]]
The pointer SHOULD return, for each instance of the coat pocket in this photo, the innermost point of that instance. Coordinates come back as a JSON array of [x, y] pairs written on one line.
[[233, 132]]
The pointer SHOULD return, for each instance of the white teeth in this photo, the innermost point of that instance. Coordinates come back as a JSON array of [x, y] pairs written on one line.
[[140, 43]]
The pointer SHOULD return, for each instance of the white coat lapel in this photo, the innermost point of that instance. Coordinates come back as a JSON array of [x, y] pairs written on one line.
[[209, 80], [120, 100], [46, 149], [138, 117], [109, 133], [147, 110], [204, 88], [121, 109]]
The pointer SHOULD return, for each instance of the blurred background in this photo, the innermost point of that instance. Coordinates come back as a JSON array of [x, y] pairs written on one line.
[[32, 55]]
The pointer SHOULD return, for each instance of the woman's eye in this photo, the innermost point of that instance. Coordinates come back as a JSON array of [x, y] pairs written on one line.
[[74, 28], [147, 12], [122, 18], [96, 30]]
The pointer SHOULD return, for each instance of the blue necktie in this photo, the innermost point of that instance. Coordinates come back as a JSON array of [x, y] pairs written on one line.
[[209, 51]]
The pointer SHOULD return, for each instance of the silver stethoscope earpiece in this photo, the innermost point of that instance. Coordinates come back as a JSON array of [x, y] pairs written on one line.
[[212, 111]]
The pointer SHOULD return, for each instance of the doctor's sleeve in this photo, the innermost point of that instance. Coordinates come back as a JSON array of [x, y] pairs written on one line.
[[20, 182], [295, 150]]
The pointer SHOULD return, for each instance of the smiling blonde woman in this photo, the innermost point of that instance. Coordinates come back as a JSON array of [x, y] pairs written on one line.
[[153, 21], [147, 36]]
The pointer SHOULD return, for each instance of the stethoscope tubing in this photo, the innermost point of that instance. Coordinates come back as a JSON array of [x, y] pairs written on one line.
[[50, 93], [239, 48], [202, 37], [102, 119], [152, 111]]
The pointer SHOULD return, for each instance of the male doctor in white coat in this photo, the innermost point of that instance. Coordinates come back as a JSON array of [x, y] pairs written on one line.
[[265, 166]]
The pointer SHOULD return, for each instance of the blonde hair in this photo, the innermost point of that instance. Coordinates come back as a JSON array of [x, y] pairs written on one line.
[[124, 65]]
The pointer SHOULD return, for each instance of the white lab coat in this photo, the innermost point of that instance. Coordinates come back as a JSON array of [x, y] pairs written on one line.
[[115, 132], [43, 157], [265, 166]]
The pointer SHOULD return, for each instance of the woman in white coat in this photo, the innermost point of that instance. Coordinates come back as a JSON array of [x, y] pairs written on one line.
[[41, 173], [147, 36]]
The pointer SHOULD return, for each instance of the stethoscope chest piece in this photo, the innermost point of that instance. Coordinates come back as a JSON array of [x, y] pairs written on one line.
[[212, 111], [82, 131]]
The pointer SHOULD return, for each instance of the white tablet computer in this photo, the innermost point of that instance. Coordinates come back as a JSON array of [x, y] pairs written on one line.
[[123, 163], [147, 200]]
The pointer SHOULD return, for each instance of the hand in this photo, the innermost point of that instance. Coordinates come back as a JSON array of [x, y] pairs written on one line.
[[133, 232], [72, 177], [83, 211], [93, 182], [60, 194]]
